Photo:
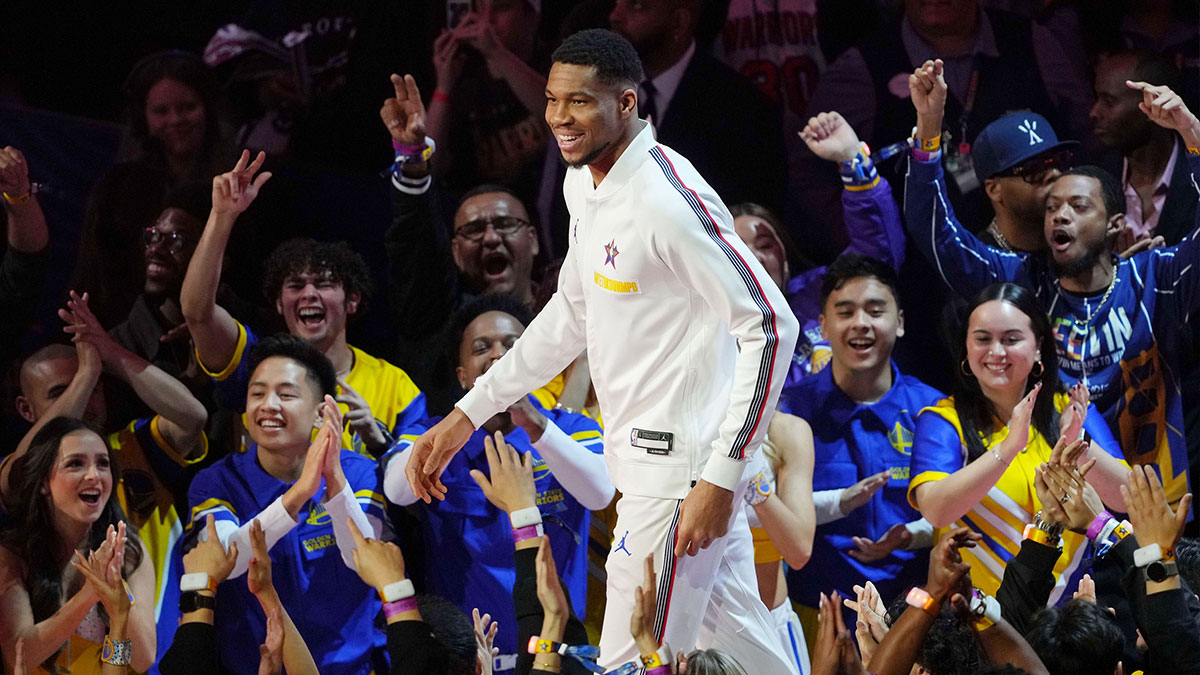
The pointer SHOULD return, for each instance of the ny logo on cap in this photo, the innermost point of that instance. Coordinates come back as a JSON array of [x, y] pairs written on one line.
[[1030, 128]]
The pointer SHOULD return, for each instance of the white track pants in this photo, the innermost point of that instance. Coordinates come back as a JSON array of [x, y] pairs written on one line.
[[707, 600]]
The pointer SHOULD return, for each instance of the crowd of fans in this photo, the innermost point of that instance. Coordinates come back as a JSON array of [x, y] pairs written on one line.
[[981, 214]]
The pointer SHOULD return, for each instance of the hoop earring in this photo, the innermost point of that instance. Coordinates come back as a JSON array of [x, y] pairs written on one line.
[[965, 369], [1041, 369]]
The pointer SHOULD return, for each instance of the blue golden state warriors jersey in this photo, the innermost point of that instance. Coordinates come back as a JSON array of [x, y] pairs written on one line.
[[333, 609], [468, 542], [850, 442]]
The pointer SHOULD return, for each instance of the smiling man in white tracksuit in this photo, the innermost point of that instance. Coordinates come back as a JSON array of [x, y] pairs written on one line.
[[688, 343]]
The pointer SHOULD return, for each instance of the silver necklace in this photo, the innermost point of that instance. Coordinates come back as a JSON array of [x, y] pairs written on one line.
[[1001, 240], [1082, 328]]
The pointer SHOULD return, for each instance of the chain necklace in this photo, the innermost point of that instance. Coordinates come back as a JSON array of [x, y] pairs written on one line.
[[1001, 240], [1082, 326]]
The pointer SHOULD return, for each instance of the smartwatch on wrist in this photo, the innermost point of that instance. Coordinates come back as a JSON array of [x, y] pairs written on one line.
[[191, 601]]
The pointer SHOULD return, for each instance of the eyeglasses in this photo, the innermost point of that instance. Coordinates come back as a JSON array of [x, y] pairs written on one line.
[[1034, 171], [174, 240], [505, 226]]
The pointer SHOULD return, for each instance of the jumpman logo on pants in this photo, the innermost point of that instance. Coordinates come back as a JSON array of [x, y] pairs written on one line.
[[621, 546]]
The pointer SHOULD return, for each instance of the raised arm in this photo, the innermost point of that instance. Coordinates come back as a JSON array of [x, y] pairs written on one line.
[[964, 263], [872, 217], [1166, 612], [787, 514], [527, 84], [1177, 265], [71, 403], [947, 499], [181, 416], [213, 330], [898, 650], [422, 274], [449, 58], [289, 649], [27, 231], [344, 499]]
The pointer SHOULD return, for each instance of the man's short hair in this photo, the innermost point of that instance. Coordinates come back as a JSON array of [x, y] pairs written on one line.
[[614, 58], [850, 266], [1151, 66], [1110, 187], [319, 370], [476, 307], [298, 256], [193, 198], [453, 629], [1187, 556], [488, 188], [1079, 637]]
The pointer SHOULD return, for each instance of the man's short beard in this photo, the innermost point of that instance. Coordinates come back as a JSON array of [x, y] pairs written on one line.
[[1081, 266], [588, 158]]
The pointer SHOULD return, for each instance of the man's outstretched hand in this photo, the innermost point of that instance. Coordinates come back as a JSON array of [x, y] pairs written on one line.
[[703, 517], [432, 452]]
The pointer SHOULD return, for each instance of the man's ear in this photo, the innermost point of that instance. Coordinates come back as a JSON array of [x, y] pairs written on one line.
[[352, 301], [461, 374], [821, 319], [25, 409], [1116, 223], [627, 103], [456, 254], [279, 305], [992, 188], [899, 323]]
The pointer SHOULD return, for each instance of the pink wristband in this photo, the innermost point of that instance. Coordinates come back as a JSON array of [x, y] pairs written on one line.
[[925, 155], [408, 149], [660, 670], [522, 533], [393, 608], [1098, 524]]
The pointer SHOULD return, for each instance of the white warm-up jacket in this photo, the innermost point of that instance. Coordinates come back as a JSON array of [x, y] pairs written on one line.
[[688, 339]]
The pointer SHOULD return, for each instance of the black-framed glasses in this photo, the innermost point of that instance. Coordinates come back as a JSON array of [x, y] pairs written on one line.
[[505, 226], [1034, 171], [174, 241]]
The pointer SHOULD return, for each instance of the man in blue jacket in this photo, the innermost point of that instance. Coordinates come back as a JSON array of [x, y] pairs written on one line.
[[1117, 321]]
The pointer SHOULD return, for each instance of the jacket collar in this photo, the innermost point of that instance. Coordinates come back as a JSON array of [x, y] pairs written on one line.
[[631, 159]]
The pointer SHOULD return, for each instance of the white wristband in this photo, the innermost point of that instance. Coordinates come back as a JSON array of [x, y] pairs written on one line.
[[526, 517], [397, 590]]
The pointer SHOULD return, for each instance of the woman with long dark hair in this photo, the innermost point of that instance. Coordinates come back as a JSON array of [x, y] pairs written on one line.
[[976, 455], [60, 502]]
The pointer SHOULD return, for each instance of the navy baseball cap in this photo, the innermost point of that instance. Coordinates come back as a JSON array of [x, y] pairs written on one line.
[[1011, 140]]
